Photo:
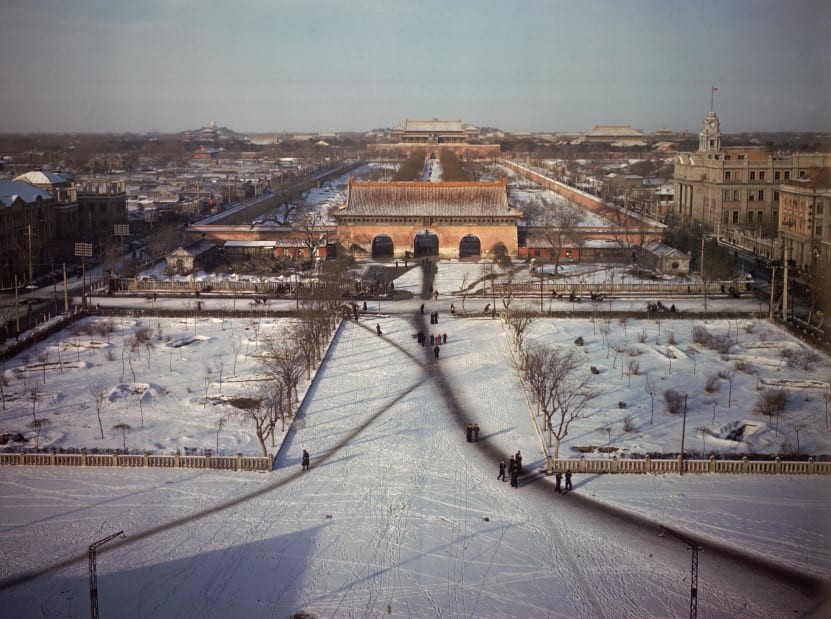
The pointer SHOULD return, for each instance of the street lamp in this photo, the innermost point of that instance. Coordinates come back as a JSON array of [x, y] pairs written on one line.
[[694, 548], [93, 575]]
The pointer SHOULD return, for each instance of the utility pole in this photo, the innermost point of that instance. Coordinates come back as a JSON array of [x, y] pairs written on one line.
[[694, 548], [93, 575], [703, 279], [785, 288], [683, 433], [772, 289], [31, 271]]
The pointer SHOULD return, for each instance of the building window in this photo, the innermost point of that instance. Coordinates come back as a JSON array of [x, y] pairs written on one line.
[[761, 195], [727, 157], [776, 196], [777, 175], [761, 175], [727, 195], [737, 195], [760, 217], [735, 217], [750, 218], [787, 174], [727, 175], [751, 197], [741, 157], [819, 208], [726, 217], [753, 175], [802, 174]]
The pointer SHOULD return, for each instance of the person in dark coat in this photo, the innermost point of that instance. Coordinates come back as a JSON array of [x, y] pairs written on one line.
[[436, 351], [511, 465], [432, 340], [558, 478], [476, 432], [514, 479], [364, 305], [422, 309], [378, 329], [518, 458], [568, 480], [305, 460], [444, 338], [501, 470], [469, 434]]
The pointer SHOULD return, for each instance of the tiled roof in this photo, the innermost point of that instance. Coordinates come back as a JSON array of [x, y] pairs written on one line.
[[11, 190], [620, 131], [433, 125], [43, 177], [428, 199]]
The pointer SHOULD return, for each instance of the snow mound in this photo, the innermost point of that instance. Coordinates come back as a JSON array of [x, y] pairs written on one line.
[[795, 383], [187, 341], [146, 392]]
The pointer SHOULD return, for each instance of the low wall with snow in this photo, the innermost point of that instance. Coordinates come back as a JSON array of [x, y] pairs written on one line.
[[207, 461]]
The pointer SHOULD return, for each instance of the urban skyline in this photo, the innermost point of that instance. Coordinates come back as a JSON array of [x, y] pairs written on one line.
[[169, 65]]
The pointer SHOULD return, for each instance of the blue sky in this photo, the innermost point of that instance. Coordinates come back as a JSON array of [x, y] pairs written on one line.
[[338, 65]]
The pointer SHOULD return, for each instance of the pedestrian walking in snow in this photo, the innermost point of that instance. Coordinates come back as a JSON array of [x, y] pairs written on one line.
[[444, 338], [378, 329], [452, 309], [305, 460], [511, 465], [469, 434], [422, 308], [436, 351], [568, 480], [436, 294], [487, 308], [476, 432], [501, 471], [432, 340], [558, 478], [518, 458], [514, 479], [437, 317]]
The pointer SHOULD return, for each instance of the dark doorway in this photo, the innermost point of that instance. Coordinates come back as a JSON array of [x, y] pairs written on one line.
[[426, 244], [470, 245], [382, 247]]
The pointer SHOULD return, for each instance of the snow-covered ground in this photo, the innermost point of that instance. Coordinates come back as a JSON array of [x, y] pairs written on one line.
[[399, 515]]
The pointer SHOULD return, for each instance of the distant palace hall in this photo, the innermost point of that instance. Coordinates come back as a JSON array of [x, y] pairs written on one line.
[[432, 135]]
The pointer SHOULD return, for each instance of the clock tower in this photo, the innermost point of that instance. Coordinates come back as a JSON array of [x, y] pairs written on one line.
[[709, 138]]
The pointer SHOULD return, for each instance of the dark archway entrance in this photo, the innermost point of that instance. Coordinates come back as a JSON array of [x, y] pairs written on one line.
[[470, 245], [382, 247], [426, 244]]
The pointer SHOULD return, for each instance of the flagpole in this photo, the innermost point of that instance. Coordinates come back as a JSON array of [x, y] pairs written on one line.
[[712, 94]]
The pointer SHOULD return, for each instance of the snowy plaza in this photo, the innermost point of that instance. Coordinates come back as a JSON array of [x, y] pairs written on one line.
[[399, 515]]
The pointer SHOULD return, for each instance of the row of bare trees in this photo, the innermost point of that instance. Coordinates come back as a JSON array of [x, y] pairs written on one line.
[[558, 379], [285, 357]]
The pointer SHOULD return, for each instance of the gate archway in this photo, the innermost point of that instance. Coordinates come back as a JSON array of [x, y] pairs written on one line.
[[470, 245], [426, 244], [382, 247]]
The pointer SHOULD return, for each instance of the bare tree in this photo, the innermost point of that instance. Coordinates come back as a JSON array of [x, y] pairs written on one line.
[[259, 413], [519, 321], [39, 424], [284, 363], [4, 382], [559, 227], [220, 424], [651, 389], [99, 398], [43, 358], [561, 388], [207, 379], [34, 396], [220, 366], [729, 376], [124, 427]]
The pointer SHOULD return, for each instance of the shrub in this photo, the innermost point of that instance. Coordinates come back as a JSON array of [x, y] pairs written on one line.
[[629, 424], [642, 337], [671, 338], [772, 402], [674, 400], [711, 385]]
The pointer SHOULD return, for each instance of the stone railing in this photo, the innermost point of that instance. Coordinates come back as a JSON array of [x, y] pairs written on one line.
[[207, 461], [711, 465]]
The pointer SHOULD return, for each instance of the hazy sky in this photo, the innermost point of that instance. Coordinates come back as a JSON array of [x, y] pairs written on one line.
[[336, 65]]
